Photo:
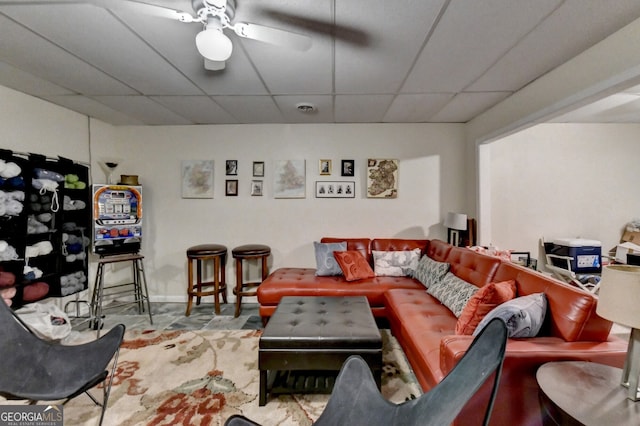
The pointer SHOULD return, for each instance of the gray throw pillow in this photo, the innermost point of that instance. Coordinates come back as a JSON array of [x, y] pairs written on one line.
[[523, 315], [326, 264], [429, 271], [453, 292]]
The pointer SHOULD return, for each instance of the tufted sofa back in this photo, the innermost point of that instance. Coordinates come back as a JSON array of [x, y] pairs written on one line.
[[475, 268], [398, 244], [363, 245], [438, 250]]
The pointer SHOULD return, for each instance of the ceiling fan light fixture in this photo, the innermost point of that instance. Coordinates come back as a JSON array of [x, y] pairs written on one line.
[[213, 44]]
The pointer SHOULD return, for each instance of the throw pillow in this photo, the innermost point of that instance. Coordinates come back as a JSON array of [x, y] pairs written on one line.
[[482, 302], [452, 292], [353, 264], [395, 263], [523, 315], [325, 262], [430, 271]]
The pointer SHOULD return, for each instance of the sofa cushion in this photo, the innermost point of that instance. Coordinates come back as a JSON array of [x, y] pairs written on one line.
[[326, 264], [430, 271], [523, 315], [363, 245], [452, 292], [353, 264], [482, 302], [395, 263]]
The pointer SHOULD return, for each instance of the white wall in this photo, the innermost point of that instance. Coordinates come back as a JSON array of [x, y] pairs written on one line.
[[564, 180], [28, 124], [432, 180]]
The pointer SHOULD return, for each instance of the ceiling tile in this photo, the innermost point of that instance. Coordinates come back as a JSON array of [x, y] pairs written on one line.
[[198, 109], [572, 28], [361, 108], [390, 36], [101, 40], [246, 109], [477, 33], [19, 80], [93, 108], [416, 108], [466, 105], [25, 50], [286, 71], [143, 109]]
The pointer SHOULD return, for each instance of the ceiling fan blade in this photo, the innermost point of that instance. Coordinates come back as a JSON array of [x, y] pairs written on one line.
[[273, 36], [346, 34], [144, 8]]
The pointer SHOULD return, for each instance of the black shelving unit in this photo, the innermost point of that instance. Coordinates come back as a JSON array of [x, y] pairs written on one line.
[[50, 234]]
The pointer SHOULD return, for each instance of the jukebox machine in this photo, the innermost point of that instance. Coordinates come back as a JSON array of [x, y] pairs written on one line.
[[117, 219]]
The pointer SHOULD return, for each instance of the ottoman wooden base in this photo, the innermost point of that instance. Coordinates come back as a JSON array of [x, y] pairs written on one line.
[[308, 339]]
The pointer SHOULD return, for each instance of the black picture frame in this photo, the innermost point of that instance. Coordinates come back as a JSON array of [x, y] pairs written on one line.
[[347, 168], [231, 167], [258, 169], [231, 187], [335, 189]]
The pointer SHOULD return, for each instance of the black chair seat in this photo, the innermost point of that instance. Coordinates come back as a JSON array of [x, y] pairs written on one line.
[[39, 370]]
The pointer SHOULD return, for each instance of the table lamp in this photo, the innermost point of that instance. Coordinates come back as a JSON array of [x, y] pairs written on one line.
[[618, 301], [455, 222]]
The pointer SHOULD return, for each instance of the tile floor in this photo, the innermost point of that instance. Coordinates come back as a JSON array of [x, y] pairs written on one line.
[[171, 316]]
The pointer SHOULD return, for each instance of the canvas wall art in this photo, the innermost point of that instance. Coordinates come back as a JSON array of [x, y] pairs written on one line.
[[197, 179], [289, 179], [382, 178]]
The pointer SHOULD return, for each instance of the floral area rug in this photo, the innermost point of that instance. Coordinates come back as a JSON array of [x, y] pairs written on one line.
[[203, 377]]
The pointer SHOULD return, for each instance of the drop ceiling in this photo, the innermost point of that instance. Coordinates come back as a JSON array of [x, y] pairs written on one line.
[[371, 61]]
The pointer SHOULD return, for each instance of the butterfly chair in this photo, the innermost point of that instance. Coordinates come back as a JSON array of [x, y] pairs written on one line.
[[356, 400], [39, 370]]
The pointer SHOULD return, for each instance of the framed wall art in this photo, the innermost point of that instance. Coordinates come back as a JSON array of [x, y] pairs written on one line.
[[232, 167], [256, 188], [258, 168], [347, 167], [382, 178], [289, 179], [324, 167], [335, 189], [231, 187], [197, 179]]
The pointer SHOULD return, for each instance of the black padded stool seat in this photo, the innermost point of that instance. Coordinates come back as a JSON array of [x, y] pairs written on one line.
[[308, 339], [206, 250], [200, 254], [251, 250], [247, 252]]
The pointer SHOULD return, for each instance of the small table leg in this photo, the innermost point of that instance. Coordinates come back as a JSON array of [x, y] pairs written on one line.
[[262, 400]]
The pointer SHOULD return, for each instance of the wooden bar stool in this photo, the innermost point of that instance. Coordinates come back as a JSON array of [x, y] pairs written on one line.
[[200, 254], [246, 252]]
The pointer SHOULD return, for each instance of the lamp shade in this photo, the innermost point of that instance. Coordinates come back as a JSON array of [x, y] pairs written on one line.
[[456, 221], [619, 295], [214, 45]]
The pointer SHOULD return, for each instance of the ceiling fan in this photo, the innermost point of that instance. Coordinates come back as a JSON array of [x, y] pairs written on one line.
[[214, 15]]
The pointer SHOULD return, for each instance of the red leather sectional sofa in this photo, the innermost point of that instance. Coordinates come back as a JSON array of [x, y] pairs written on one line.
[[426, 329]]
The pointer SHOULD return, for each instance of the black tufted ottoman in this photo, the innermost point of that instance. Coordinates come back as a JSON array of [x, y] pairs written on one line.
[[307, 340]]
